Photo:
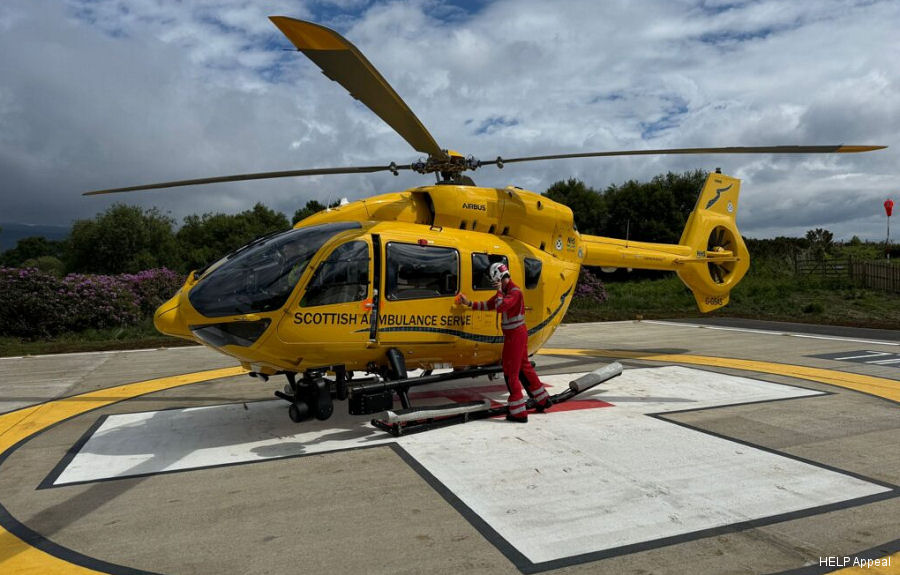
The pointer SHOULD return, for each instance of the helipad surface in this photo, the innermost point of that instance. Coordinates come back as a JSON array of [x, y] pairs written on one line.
[[668, 468]]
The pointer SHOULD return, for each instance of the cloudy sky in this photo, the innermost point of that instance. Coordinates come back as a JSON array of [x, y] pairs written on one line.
[[107, 93]]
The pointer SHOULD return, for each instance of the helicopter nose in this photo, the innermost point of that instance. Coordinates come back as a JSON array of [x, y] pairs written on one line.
[[168, 321]]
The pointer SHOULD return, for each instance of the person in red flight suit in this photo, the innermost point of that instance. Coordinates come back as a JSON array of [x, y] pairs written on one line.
[[510, 303]]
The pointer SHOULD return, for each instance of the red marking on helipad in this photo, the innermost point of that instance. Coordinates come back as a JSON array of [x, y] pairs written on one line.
[[466, 394], [460, 394], [578, 404]]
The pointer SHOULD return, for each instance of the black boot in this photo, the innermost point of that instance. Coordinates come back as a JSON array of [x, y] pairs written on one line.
[[542, 407]]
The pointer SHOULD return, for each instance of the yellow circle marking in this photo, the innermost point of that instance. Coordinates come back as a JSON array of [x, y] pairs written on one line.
[[878, 386], [18, 557]]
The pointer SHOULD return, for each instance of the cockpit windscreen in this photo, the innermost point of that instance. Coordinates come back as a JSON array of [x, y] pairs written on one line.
[[260, 276]]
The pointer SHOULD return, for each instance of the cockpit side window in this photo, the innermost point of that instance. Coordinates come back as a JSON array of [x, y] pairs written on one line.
[[416, 271], [480, 265], [343, 277], [260, 276]]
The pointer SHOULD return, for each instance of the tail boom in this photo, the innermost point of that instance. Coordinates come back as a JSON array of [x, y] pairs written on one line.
[[711, 257]]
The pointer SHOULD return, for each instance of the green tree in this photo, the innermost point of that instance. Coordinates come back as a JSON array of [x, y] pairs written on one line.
[[31, 248], [311, 207], [777, 256], [123, 239], [654, 211], [821, 243], [587, 205], [204, 239]]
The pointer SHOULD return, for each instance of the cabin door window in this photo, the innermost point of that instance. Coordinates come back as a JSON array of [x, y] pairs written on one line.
[[343, 277], [420, 282]]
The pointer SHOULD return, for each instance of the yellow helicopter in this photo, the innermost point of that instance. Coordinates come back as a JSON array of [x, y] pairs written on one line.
[[370, 286]]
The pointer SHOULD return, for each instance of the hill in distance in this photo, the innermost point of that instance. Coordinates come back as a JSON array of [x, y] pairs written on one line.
[[12, 232]]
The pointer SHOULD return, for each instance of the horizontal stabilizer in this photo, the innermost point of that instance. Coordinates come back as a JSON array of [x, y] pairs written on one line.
[[596, 377]]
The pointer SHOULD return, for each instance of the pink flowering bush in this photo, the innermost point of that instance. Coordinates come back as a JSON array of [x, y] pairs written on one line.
[[37, 304], [97, 301], [29, 303], [590, 288], [153, 287]]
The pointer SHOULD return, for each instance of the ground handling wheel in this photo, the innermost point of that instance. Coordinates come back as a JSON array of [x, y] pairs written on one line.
[[312, 397], [320, 400], [298, 411]]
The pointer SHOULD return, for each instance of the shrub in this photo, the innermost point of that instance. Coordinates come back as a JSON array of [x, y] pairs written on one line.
[[36, 304], [589, 287], [30, 303], [153, 287], [813, 308], [97, 301], [49, 264]]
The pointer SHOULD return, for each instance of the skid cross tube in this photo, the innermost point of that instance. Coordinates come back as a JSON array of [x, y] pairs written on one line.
[[391, 385]]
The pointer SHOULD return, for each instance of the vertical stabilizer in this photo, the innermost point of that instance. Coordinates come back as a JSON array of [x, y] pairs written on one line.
[[720, 257]]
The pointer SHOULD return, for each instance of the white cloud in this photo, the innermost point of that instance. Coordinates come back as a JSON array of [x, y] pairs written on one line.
[[108, 93]]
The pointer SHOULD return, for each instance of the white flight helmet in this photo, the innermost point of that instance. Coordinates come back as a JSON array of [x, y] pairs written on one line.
[[497, 272]]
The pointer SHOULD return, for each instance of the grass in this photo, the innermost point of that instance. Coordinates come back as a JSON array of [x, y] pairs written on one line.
[[787, 298], [833, 302], [142, 335]]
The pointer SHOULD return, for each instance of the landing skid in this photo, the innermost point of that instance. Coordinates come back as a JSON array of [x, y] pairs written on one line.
[[417, 419]]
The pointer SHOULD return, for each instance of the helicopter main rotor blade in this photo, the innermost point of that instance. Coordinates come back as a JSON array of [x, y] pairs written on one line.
[[258, 176], [342, 62], [839, 149]]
